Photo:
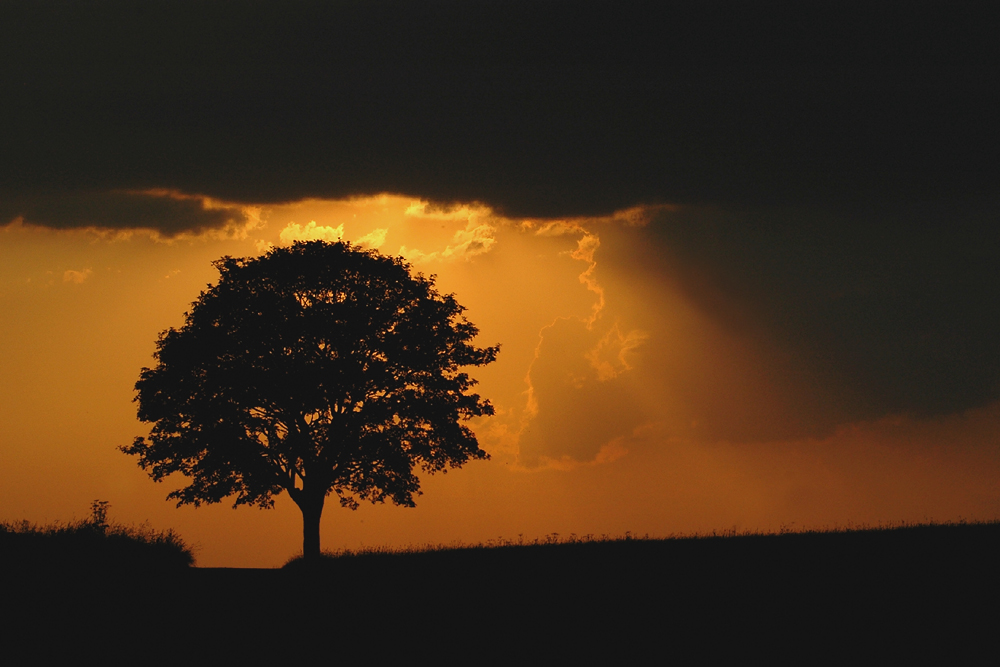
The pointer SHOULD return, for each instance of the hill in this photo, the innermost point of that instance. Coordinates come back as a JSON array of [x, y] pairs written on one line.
[[864, 595]]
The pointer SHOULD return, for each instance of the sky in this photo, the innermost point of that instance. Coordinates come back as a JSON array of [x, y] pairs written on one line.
[[740, 259]]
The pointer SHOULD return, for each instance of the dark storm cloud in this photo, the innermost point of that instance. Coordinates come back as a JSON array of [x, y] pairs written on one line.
[[848, 150], [168, 214], [897, 313], [537, 108]]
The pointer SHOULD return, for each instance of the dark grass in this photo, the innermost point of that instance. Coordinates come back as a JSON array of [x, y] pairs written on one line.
[[573, 545], [870, 595]]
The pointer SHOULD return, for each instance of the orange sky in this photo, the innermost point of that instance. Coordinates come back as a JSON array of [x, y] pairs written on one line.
[[623, 403]]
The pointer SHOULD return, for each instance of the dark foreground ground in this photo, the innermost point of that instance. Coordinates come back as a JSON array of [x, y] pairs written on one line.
[[868, 597]]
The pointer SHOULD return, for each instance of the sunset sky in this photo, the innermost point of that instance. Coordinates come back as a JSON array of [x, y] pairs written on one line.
[[741, 260]]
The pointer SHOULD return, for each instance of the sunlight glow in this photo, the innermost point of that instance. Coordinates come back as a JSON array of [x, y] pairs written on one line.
[[621, 404]]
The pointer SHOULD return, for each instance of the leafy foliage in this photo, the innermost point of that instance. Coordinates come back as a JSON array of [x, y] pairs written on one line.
[[316, 368]]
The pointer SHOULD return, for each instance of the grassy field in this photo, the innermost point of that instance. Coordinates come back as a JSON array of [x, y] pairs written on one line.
[[867, 595]]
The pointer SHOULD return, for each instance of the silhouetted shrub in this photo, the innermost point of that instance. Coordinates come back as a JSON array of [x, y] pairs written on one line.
[[90, 544]]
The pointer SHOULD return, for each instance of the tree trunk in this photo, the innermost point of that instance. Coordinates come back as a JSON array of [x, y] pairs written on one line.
[[312, 510]]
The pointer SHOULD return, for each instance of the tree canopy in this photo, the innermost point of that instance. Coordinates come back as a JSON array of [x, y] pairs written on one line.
[[314, 369]]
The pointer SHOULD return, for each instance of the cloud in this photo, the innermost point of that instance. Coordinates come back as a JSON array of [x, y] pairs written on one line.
[[576, 412], [537, 109], [310, 232], [476, 238], [581, 400], [610, 356], [586, 247], [834, 186], [167, 213], [889, 470], [881, 316], [76, 277], [374, 239]]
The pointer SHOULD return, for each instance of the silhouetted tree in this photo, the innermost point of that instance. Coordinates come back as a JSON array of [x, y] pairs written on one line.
[[313, 369]]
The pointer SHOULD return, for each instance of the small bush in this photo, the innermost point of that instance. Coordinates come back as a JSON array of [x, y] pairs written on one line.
[[92, 543]]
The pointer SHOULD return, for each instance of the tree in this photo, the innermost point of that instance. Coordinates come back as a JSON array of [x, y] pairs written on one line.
[[315, 369]]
